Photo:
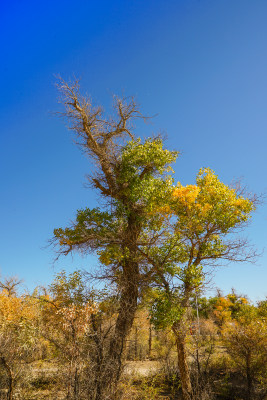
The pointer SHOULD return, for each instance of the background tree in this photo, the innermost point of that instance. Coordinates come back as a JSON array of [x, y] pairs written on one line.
[[66, 322], [10, 285], [139, 341], [246, 341], [18, 337], [228, 307], [202, 221]]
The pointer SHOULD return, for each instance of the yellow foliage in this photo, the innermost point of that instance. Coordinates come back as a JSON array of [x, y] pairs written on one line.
[[186, 194], [209, 202], [15, 309], [222, 310]]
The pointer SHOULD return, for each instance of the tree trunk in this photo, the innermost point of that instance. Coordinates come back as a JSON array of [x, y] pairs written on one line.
[[179, 329], [97, 357], [10, 378], [111, 368], [127, 310], [76, 384], [180, 335], [128, 287]]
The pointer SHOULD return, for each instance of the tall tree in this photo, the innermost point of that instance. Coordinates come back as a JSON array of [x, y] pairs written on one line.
[[132, 180]]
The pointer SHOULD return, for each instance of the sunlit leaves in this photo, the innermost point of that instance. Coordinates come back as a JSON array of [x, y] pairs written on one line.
[[210, 204], [15, 310], [150, 154], [68, 289], [92, 229], [142, 176], [67, 309], [165, 310], [143, 168], [207, 211], [246, 342]]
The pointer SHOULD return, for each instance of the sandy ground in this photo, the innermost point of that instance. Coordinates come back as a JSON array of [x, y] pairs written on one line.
[[141, 368]]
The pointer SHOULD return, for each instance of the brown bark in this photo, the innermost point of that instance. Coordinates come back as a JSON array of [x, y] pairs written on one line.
[[180, 335], [109, 366], [127, 310], [97, 357]]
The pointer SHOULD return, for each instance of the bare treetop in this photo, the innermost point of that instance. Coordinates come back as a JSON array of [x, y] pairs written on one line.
[[99, 136]]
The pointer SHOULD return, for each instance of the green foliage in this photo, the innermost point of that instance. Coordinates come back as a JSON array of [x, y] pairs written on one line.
[[91, 229], [149, 389], [262, 308], [68, 289], [228, 208], [136, 156], [192, 275], [141, 175], [246, 343], [165, 310]]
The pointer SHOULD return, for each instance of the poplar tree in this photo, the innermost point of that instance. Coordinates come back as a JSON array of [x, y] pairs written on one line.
[[131, 177]]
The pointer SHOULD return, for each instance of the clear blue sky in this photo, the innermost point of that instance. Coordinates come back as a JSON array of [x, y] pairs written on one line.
[[201, 65]]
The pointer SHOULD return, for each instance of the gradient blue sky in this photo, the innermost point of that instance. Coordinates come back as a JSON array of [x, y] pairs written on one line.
[[201, 65]]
